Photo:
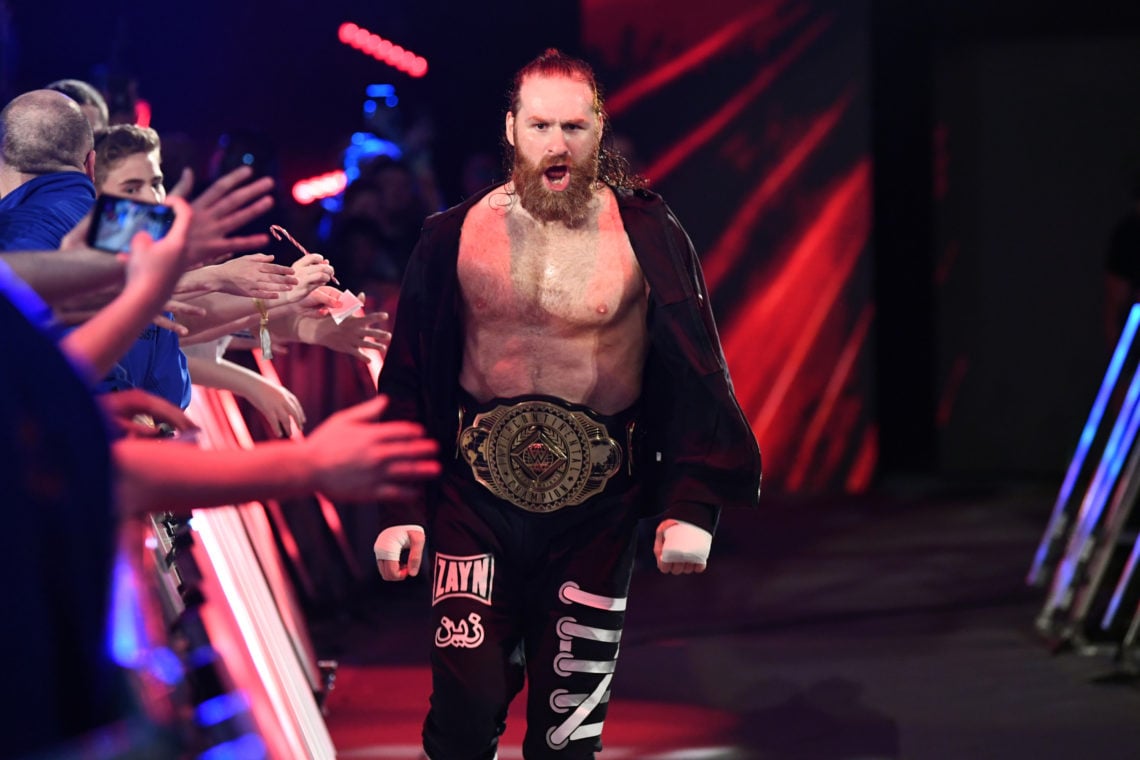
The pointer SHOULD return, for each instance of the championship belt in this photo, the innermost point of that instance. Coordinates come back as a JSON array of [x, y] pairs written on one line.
[[540, 456]]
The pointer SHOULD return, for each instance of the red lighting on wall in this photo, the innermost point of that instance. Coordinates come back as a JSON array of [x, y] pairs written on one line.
[[382, 50], [142, 113], [322, 186]]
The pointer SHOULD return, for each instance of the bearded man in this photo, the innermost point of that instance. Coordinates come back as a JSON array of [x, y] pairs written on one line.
[[554, 335]]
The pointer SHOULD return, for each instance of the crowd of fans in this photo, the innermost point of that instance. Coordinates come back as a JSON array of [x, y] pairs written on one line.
[[102, 353]]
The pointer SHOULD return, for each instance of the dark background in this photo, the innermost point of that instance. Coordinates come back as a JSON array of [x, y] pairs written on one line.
[[276, 66], [1025, 114], [998, 141]]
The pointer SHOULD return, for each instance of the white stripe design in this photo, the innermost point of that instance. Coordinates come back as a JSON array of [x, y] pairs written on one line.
[[565, 664], [572, 727], [569, 628], [570, 593], [561, 700]]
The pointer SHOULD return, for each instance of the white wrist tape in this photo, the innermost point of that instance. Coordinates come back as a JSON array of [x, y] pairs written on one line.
[[685, 542], [394, 540]]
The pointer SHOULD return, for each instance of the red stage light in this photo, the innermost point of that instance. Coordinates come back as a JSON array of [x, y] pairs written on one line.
[[382, 50], [142, 113], [322, 186]]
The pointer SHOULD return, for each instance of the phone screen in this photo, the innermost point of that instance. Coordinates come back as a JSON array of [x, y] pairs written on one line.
[[118, 219]]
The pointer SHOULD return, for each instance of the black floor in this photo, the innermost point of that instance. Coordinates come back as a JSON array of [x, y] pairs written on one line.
[[892, 626]]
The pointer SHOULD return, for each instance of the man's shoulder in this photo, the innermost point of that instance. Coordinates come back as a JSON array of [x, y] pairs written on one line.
[[642, 210], [37, 214], [638, 197], [51, 190], [457, 213], [53, 183]]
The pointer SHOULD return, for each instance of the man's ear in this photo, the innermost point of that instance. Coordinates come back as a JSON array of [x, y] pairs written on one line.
[[89, 165], [511, 128]]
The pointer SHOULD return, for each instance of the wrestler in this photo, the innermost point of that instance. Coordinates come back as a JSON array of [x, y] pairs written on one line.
[[554, 334]]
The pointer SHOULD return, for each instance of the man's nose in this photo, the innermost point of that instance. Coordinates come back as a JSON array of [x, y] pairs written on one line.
[[557, 143]]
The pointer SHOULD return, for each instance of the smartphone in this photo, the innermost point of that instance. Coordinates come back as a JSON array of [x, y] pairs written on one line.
[[118, 219]]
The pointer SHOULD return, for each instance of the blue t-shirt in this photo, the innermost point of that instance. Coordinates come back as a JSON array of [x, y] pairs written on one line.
[[37, 214], [155, 363], [35, 217]]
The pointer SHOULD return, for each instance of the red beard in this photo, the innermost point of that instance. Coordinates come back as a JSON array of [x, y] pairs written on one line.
[[570, 206]]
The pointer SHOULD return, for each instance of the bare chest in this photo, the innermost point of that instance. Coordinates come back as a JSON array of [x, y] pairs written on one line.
[[513, 270]]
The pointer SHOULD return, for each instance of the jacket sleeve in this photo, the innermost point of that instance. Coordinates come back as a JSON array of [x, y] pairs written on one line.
[[709, 457], [402, 375]]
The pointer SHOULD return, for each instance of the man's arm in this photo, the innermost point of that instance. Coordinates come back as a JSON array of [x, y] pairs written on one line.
[[352, 456], [76, 269], [276, 403], [59, 275], [253, 276], [310, 273], [703, 454]]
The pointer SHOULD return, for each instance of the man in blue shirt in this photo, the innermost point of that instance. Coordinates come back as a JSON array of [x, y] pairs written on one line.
[[47, 162]]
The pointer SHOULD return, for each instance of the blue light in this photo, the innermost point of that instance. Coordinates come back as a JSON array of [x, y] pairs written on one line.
[[391, 101], [247, 159], [1119, 442], [220, 708], [1088, 433], [380, 91], [1121, 585], [202, 656], [128, 643], [364, 146], [166, 666], [245, 747], [125, 634], [370, 107]]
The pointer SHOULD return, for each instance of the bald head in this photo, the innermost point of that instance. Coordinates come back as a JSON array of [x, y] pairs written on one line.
[[44, 131]]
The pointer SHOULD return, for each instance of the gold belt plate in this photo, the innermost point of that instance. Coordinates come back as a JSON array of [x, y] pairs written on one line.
[[540, 456]]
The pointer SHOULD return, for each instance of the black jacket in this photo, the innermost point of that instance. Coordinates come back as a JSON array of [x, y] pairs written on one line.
[[696, 453]]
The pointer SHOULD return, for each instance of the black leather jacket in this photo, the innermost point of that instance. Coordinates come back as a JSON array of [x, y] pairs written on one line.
[[696, 452]]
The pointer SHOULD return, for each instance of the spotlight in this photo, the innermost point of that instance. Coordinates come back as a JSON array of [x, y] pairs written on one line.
[[382, 50], [306, 191]]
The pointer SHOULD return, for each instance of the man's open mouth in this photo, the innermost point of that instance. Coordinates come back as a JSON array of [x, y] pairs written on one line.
[[557, 177]]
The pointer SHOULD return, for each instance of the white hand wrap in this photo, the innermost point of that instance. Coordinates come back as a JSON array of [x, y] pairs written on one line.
[[685, 542], [394, 540]]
